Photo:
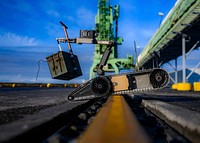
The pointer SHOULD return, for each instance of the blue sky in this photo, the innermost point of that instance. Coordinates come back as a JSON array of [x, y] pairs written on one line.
[[28, 30]]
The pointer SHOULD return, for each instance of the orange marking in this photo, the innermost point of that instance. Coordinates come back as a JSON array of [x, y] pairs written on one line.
[[121, 82]]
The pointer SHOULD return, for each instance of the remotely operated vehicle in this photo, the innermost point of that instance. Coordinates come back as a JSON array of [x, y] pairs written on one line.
[[65, 66]]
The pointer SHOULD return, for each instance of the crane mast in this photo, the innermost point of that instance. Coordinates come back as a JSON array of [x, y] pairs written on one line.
[[106, 26]]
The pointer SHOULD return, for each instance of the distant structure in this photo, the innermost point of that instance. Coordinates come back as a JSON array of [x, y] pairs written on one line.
[[195, 77], [177, 36], [106, 26]]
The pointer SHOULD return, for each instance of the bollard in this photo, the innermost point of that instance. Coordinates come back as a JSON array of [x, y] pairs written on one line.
[[196, 86], [184, 87], [13, 85], [174, 86], [48, 85]]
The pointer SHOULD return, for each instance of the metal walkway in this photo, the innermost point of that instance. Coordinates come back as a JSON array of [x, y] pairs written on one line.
[[183, 21]]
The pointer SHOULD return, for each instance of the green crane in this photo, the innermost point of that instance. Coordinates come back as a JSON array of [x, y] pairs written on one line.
[[106, 27]]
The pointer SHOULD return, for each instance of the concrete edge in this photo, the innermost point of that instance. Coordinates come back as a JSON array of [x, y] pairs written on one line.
[[186, 122]]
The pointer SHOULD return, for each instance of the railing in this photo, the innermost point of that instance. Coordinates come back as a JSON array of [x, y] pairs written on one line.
[[180, 16]]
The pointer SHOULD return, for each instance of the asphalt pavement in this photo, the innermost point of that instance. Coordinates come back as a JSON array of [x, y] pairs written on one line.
[[22, 109]]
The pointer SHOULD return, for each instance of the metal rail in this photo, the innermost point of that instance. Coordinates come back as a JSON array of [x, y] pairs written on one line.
[[115, 123]]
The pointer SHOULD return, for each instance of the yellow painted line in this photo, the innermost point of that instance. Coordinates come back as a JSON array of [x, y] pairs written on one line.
[[115, 123]]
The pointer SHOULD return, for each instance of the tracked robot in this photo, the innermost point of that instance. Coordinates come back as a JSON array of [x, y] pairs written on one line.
[[65, 66]]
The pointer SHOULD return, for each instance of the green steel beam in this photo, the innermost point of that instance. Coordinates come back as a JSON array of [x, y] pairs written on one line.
[[181, 15]]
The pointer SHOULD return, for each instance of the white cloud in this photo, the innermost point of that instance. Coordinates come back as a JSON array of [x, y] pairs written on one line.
[[70, 18], [54, 29], [85, 17], [53, 13], [22, 5], [128, 5], [84, 13], [147, 33], [131, 32], [30, 79], [128, 32], [16, 78], [11, 39]]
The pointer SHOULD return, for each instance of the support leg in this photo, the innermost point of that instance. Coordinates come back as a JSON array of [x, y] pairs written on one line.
[[184, 57], [176, 71], [115, 68]]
